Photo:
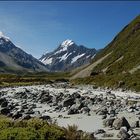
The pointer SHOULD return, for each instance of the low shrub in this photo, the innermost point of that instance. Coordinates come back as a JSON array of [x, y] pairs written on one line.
[[36, 129], [33, 129]]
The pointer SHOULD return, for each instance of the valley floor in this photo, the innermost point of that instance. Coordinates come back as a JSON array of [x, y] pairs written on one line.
[[84, 106]]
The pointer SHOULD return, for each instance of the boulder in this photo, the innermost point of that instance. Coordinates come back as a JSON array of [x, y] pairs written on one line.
[[99, 131], [5, 111], [98, 100], [87, 102], [120, 122], [134, 137], [20, 95], [120, 84], [25, 106], [108, 135], [16, 115], [102, 111], [85, 110], [117, 110], [26, 117], [131, 109], [60, 116], [78, 105], [29, 111], [68, 102], [91, 135], [108, 92], [45, 117], [104, 117], [112, 112], [108, 122], [123, 134], [16, 104], [56, 99], [24, 96], [46, 99], [4, 104], [73, 111], [76, 95], [2, 100], [44, 93], [135, 124], [92, 100]]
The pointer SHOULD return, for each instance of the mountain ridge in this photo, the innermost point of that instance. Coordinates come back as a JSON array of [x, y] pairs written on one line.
[[14, 59]]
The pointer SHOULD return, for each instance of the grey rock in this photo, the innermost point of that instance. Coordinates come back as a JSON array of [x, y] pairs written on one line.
[[60, 116], [68, 102], [17, 115], [120, 84], [104, 117], [73, 111], [102, 111], [11, 106], [134, 137], [123, 134], [26, 117], [5, 111], [120, 122], [2, 100], [45, 117], [99, 131], [4, 104], [108, 92], [112, 112], [29, 111], [76, 95], [85, 110], [46, 99], [25, 106], [135, 124], [108, 135], [98, 100], [108, 122], [92, 137]]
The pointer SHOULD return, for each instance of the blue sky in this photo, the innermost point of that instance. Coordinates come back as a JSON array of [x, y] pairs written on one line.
[[40, 26]]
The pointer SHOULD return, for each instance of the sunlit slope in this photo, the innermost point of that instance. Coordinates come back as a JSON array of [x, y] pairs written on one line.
[[120, 60]]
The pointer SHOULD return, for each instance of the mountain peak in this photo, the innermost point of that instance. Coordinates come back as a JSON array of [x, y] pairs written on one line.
[[3, 36], [67, 43], [67, 56]]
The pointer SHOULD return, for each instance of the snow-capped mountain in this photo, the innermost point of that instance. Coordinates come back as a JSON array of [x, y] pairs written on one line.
[[67, 56], [14, 59]]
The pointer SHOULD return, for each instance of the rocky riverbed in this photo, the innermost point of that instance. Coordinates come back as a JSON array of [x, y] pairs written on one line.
[[108, 114]]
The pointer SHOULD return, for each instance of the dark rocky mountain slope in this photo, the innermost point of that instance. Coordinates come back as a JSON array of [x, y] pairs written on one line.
[[14, 59]]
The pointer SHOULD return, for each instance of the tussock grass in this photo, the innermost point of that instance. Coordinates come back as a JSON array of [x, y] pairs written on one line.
[[37, 129]]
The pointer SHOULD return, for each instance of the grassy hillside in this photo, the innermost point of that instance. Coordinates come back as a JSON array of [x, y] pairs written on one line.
[[127, 45], [122, 66]]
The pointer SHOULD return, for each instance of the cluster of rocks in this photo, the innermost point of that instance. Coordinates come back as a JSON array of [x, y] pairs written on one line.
[[25, 102], [19, 104], [126, 131], [110, 108], [29, 102]]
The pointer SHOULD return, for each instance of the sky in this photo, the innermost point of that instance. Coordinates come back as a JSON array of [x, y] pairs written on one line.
[[40, 26]]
